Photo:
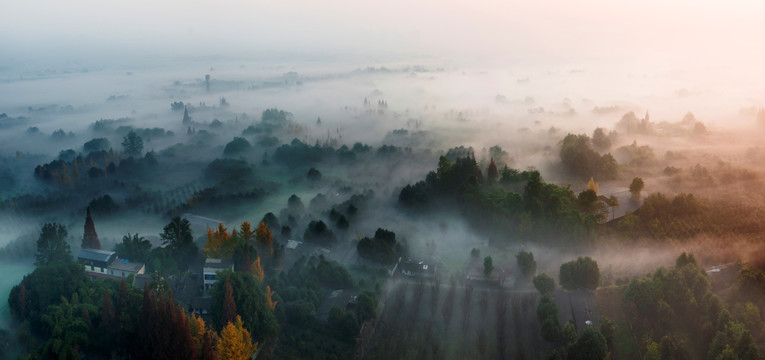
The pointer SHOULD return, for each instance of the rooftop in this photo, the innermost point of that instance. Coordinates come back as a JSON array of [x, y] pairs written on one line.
[[218, 263], [96, 255], [123, 265]]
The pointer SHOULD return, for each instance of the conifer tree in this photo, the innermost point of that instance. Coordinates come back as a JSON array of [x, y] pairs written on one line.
[[492, 173], [90, 238], [229, 305], [235, 342]]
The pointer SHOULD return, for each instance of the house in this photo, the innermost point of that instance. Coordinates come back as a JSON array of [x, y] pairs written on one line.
[[418, 269], [106, 263], [123, 268], [96, 262], [211, 269]]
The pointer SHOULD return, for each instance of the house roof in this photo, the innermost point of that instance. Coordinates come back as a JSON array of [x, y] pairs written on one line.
[[417, 266], [218, 263], [123, 265], [96, 255]]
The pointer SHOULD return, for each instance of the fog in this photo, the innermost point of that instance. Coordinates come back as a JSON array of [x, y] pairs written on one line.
[[380, 91]]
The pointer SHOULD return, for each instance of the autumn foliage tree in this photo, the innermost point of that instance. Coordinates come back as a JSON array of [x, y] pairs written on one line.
[[265, 237], [220, 244], [229, 305], [235, 342], [269, 298], [164, 331], [257, 270]]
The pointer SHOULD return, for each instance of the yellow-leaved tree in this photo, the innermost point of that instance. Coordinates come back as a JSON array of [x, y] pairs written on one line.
[[220, 244], [198, 329], [592, 185], [265, 237], [271, 302], [257, 270], [235, 342]]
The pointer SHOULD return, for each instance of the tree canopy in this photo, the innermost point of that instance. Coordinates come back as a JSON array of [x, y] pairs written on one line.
[[582, 272], [52, 245], [132, 144]]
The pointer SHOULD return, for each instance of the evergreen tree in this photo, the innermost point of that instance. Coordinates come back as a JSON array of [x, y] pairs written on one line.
[[90, 238], [492, 173]]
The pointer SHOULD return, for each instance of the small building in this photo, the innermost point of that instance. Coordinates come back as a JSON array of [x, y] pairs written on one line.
[[96, 262], [211, 269], [106, 263], [418, 269], [123, 268]]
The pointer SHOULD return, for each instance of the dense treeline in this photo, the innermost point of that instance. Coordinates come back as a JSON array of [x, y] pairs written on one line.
[[684, 216], [542, 211], [676, 315]]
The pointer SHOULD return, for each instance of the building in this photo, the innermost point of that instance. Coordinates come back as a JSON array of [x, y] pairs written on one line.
[[105, 263], [211, 269], [123, 268], [418, 269]]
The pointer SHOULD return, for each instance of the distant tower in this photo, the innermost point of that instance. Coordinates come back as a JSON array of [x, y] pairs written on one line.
[[186, 118], [647, 118], [207, 82], [90, 238]]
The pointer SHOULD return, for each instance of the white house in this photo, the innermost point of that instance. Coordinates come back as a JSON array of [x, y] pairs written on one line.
[[211, 269], [105, 263]]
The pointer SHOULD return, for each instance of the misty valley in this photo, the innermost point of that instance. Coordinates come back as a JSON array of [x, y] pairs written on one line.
[[239, 210]]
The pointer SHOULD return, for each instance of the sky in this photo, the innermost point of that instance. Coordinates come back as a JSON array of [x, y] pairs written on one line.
[[706, 34]]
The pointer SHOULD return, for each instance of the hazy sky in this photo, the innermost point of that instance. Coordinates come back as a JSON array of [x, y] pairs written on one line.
[[707, 33]]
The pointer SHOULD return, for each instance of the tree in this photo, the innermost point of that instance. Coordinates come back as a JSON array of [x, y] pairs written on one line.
[[257, 270], [132, 144], [582, 272], [313, 174], [220, 244], [52, 245], [251, 303], [526, 263], [178, 238], [208, 351], [269, 298], [590, 346], [67, 332], [134, 248], [90, 238], [265, 237], [636, 187], [608, 329], [488, 265], [96, 144], [544, 284], [229, 306], [600, 140], [492, 173], [366, 306], [235, 342], [236, 146], [592, 185]]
